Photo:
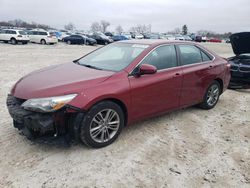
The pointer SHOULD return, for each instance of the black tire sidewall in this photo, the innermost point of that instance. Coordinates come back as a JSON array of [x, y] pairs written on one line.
[[43, 42], [13, 41], [204, 104], [85, 124]]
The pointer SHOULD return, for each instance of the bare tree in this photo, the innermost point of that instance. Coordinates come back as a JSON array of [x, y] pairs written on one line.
[[141, 28], [119, 29], [177, 30], [70, 26], [104, 25], [95, 27]]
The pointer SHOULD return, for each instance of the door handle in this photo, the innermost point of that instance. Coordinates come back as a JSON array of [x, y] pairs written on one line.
[[176, 74], [210, 66]]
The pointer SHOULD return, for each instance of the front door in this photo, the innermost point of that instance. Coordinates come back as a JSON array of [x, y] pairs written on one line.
[[159, 92]]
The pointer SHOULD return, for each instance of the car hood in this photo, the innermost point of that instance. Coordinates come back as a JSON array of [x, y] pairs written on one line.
[[58, 80], [240, 42]]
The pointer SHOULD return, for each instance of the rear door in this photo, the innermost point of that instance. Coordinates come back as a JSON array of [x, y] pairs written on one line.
[[198, 73], [159, 92]]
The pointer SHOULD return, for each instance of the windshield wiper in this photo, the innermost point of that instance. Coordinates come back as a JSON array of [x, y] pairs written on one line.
[[91, 66]]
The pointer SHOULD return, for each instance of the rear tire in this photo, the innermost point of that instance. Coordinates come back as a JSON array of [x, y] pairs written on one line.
[[102, 124], [211, 96], [13, 41], [43, 42]]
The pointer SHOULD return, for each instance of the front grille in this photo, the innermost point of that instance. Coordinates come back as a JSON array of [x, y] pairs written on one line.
[[234, 68], [245, 69]]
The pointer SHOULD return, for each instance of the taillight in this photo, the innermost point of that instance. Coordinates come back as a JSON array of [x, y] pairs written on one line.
[[19, 36], [49, 36]]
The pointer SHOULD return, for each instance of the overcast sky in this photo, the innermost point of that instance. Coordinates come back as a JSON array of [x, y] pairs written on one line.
[[164, 15]]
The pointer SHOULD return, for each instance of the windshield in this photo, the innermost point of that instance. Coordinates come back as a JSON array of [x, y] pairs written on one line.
[[113, 57]]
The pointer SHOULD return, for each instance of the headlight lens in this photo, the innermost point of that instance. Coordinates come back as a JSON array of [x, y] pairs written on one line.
[[49, 104]]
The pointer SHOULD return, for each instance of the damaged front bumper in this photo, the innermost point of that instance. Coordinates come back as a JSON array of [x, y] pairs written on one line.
[[34, 124]]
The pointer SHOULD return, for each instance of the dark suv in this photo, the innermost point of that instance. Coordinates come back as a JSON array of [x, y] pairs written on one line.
[[240, 64]]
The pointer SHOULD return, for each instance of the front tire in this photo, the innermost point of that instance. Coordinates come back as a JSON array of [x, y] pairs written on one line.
[[102, 124], [211, 96]]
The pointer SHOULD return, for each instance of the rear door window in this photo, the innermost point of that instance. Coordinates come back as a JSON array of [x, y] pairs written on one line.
[[205, 57], [189, 54], [42, 33]]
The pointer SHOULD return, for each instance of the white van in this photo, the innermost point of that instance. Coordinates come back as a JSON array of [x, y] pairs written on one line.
[[14, 36], [42, 37]]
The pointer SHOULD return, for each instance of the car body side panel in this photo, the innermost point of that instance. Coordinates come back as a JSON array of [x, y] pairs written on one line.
[[196, 79], [116, 87], [156, 93]]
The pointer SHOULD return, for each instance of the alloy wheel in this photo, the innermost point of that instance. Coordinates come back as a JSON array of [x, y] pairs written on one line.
[[213, 94], [104, 125]]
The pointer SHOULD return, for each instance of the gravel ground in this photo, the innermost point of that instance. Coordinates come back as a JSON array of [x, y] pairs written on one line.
[[186, 148]]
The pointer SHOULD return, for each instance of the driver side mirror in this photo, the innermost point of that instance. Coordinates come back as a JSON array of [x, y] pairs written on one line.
[[147, 69]]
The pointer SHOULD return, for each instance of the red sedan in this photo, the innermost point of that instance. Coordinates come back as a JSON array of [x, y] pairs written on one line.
[[94, 97]]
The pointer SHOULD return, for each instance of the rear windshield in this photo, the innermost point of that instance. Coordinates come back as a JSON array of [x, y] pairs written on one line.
[[52, 33]]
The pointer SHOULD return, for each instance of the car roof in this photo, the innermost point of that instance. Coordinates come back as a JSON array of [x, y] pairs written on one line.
[[155, 42]]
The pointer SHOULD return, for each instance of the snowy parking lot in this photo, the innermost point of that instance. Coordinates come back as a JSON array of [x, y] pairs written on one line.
[[185, 148]]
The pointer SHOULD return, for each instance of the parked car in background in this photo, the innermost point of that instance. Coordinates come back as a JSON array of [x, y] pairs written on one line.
[[14, 36], [203, 39], [58, 35], [179, 37], [128, 35], [215, 40], [65, 34], [138, 36], [94, 97], [42, 37], [79, 39], [240, 64], [227, 41], [109, 34], [170, 37], [198, 38], [152, 36], [187, 38], [119, 37], [101, 38]]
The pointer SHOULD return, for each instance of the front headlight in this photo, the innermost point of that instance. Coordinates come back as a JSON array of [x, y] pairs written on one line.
[[49, 104]]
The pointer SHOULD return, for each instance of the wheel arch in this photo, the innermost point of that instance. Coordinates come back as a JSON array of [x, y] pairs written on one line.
[[118, 102], [12, 38], [221, 84], [43, 39]]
